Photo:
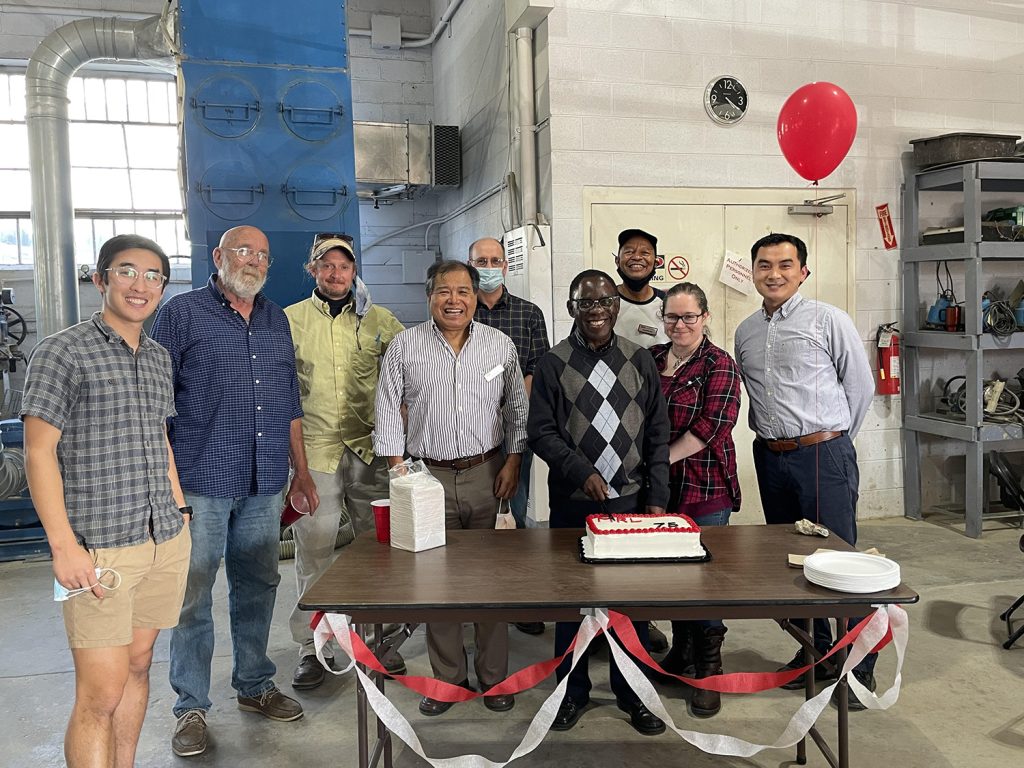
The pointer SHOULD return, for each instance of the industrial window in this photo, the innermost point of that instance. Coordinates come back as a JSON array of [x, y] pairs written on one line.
[[124, 159]]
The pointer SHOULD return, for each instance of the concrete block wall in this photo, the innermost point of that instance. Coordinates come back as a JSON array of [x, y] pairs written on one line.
[[470, 90], [393, 86], [627, 79]]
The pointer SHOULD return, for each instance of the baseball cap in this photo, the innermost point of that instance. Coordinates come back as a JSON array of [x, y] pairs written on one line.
[[628, 234], [328, 241]]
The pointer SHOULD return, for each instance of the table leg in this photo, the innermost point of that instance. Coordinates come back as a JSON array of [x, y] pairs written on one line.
[[801, 746], [843, 692], [364, 747], [383, 734]]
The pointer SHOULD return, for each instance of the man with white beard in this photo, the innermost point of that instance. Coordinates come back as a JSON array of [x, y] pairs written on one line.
[[238, 422]]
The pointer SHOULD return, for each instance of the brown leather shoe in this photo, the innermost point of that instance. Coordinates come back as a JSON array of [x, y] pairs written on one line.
[[272, 704], [501, 703]]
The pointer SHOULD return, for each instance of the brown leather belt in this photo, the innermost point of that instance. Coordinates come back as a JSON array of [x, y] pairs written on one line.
[[791, 444], [466, 463]]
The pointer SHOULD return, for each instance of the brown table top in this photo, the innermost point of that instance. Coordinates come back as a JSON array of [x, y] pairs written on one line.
[[537, 574]]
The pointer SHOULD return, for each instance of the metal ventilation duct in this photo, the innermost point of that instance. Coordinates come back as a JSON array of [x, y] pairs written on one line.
[[46, 95], [399, 159]]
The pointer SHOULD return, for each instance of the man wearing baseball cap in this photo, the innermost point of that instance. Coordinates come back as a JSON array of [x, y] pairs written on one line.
[[639, 321], [640, 302], [340, 337]]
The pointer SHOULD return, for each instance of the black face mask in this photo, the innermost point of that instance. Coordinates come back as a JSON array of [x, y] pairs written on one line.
[[635, 284]]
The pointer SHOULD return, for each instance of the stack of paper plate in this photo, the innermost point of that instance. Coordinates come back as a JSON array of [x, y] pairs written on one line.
[[851, 572]]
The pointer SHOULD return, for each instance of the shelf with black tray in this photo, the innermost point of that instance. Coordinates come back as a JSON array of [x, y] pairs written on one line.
[[975, 252]]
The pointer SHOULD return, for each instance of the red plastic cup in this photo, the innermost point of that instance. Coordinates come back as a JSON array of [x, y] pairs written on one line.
[[382, 519], [297, 506]]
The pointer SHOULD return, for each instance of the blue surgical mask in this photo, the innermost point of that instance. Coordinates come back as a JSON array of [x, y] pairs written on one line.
[[62, 593], [491, 278]]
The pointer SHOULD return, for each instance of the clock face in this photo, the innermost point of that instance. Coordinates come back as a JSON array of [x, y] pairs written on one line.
[[725, 100]]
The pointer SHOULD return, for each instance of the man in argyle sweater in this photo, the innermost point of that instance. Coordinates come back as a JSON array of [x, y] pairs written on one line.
[[599, 421]]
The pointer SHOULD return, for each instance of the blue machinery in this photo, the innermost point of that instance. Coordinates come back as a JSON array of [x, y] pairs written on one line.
[[267, 128]]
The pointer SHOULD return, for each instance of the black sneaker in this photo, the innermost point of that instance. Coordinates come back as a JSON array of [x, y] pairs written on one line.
[[822, 672]]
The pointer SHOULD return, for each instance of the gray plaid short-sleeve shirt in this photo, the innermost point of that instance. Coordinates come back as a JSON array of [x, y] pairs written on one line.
[[111, 406]]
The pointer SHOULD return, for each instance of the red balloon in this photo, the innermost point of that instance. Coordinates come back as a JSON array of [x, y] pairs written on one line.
[[816, 128]]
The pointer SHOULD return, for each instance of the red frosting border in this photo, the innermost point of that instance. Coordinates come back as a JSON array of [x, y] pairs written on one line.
[[591, 524]]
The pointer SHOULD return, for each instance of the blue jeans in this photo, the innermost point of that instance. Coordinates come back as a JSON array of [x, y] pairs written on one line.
[[245, 531], [721, 517], [518, 503]]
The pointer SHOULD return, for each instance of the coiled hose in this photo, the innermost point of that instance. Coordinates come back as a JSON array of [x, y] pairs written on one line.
[[13, 481]]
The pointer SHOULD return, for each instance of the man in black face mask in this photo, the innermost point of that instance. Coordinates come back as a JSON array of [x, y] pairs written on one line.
[[641, 302], [639, 306]]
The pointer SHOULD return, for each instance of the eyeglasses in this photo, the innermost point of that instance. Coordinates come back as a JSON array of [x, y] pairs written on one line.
[[606, 301], [127, 275], [245, 254], [689, 318], [497, 261]]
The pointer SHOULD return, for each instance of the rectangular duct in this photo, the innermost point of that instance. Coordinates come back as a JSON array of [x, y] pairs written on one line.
[[400, 159]]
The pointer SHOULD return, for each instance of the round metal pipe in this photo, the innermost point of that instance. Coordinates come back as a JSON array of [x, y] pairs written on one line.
[[527, 129], [50, 70]]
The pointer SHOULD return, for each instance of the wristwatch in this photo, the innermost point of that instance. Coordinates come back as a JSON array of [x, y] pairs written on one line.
[[187, 511]]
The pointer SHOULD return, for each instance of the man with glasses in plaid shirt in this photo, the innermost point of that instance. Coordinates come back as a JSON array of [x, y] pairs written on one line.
[[340, 337], [523, 322], [238, 423], [103, 480]]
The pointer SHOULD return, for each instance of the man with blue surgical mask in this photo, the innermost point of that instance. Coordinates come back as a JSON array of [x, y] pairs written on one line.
[[523, 322]]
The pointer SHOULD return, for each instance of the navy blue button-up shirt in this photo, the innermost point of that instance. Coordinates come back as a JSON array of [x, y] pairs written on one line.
[[235, 392]]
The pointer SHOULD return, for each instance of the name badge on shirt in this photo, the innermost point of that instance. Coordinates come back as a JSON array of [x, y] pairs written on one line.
[[495, 371], [646, 330]]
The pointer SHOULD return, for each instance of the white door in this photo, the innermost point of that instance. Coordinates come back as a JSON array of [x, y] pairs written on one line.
[[692, 241]]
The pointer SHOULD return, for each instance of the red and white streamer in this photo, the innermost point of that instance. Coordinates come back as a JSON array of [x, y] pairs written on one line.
[[871, 634]]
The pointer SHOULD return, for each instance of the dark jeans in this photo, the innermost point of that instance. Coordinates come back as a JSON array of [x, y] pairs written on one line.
[[579, 685], [711, 520], [820, 483]]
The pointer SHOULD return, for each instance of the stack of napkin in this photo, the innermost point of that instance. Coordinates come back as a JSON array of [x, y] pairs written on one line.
[[417, 512]]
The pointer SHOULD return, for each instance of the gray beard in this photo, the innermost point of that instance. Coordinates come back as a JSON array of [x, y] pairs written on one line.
[[243, 287]]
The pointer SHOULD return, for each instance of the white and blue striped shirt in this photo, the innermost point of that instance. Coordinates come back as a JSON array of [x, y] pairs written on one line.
[[458, 405]]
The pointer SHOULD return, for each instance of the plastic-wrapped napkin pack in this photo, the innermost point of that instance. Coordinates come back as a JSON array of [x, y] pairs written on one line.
[[417, 508]]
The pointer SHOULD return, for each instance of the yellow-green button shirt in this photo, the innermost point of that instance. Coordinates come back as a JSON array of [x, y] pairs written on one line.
[[338, 360]]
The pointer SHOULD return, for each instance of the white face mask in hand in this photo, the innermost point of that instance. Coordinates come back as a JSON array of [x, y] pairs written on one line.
[[62, 593]]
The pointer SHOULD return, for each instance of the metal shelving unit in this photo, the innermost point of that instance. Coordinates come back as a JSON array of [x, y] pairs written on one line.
[[970, 180]]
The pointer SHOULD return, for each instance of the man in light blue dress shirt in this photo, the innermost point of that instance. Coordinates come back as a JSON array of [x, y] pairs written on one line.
[[810, 386]]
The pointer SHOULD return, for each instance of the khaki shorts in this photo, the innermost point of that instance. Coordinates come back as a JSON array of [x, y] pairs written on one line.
[[150, 596]]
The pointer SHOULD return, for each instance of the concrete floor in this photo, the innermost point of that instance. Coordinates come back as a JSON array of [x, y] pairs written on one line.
[[962, 701]]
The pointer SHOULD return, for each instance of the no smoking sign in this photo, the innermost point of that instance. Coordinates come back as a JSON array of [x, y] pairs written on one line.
[[678, 267]]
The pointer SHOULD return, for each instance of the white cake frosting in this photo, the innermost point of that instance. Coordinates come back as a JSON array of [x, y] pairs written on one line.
[[642, 536]]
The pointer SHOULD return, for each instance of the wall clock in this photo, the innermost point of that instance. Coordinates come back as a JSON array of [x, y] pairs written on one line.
[[725, 100]]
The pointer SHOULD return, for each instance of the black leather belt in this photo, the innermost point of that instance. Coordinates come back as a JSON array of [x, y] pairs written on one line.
[[465, 463], [792, 443]]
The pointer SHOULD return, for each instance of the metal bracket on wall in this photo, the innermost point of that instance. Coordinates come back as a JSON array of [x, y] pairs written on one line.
[[816, 208]]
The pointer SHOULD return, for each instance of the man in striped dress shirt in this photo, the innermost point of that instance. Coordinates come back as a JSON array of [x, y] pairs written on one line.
[[461, 384]]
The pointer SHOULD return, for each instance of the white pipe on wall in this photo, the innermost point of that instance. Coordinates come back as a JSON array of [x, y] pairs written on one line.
[[46, 96], [527, 130]]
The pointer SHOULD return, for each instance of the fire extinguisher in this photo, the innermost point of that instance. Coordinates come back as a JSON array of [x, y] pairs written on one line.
[[887, 341]]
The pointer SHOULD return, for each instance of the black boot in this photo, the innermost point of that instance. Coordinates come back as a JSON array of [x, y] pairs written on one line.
[[680, 660], [708, 647]]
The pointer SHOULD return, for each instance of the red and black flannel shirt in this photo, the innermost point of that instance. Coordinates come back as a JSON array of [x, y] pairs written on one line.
[[703, 398]]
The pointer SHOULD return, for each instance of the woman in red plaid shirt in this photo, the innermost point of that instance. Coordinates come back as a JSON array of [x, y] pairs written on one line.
[[701, 383]]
